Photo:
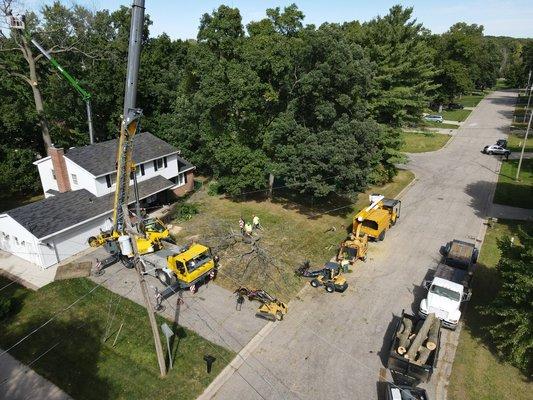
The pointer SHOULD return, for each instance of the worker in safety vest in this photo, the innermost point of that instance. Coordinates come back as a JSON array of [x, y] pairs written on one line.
[[248, 229], [255, 222]]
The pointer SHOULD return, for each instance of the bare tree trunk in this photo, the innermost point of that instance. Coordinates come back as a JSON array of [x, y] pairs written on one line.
[[28, 55]]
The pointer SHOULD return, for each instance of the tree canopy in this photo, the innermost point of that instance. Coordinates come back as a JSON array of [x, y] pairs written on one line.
[[318, 108]]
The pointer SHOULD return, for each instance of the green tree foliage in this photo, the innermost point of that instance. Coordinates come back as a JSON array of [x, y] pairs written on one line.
[[404, 66], [317, 107], [512, 309], [466, 60]]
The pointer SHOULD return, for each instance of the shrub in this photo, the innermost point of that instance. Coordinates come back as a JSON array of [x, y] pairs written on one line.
[[213, 189], [185, 211]]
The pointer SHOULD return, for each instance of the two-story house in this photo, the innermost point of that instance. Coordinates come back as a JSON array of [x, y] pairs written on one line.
[[79, 187]]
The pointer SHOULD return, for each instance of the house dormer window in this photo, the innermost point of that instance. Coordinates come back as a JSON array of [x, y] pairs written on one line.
[[74, 179], [110, 179], [158, 164], [53, 175]]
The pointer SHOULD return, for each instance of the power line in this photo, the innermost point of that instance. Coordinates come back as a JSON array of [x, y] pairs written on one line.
[[60, 312]]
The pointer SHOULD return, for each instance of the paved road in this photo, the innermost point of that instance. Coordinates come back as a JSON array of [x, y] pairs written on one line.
[[210, 312], [331, 346]]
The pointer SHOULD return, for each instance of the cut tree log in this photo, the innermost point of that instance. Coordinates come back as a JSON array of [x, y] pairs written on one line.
[[423, 356], [433, 335], [420, 337], [404, 335]]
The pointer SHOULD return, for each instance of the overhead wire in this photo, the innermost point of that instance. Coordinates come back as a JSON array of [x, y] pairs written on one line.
[[98, 285]]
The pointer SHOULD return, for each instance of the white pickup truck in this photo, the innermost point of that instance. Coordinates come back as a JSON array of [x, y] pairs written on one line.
[[450, 286]]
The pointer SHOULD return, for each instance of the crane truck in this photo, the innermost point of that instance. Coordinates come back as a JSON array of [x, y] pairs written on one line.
[[182, 266], [450, 286]]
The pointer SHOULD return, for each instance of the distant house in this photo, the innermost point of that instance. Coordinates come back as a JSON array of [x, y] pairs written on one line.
[[79, 187]]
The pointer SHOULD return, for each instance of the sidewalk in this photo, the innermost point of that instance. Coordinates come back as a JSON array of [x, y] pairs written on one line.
[[25, 384], [508, 212]]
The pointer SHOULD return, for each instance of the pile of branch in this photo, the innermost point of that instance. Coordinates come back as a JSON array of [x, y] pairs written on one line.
[[417, 343]]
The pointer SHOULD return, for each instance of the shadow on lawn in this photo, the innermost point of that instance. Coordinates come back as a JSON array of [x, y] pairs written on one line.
[[334, 205], [69, 351]]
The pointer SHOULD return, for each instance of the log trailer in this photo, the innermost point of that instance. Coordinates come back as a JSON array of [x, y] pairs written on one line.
[[450, 286], [414, 349]]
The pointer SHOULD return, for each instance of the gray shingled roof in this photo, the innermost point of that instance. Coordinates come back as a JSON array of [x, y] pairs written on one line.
[[100, 158], [63, 210]]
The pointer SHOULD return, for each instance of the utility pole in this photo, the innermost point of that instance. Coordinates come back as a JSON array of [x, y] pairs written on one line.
[[132, 233], [528, 100], [523, 146]]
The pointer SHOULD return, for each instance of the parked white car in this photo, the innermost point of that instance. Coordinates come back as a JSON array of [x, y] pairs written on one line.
[[495, 149], [433, 118]]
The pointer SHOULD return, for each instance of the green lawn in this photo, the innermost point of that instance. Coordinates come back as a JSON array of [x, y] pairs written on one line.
[[470, 101], [292, 234], [86, 367], [512, 193], [439, 125], [477, 372], [455, 115], [7, 203], [514, 142], [419, 142]]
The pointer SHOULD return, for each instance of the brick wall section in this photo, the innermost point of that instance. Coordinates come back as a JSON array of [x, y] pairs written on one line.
[[182, 190], [60, 168]]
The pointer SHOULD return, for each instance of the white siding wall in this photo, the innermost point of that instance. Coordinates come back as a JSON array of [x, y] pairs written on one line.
[[84, 178], [17, 240], [45, 173], [72, 241], [149, 172]]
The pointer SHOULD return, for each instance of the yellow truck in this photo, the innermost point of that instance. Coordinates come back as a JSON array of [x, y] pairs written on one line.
[[377, 218], [182, 267]]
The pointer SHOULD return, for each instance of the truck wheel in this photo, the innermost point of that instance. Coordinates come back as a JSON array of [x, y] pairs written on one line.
[[330, 287], [490, 153], [315, 283], [279, 315], [163, 277], [381, 236], [93, 242]]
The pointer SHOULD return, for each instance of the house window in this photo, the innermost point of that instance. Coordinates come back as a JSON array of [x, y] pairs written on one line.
[[179, 180], [74, 179], [165, 161], [54, 175], [159, 163], [142, 169], [110, 179]]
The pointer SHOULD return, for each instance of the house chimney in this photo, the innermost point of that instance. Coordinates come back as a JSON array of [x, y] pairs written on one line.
[[60, 168]]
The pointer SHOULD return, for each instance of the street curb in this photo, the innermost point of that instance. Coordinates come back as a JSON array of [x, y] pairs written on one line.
[[406, 188], [236, 363]]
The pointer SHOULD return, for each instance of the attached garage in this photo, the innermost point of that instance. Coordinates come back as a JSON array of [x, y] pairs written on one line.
[[48, 231]]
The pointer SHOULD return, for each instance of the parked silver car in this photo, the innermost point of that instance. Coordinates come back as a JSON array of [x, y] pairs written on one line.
[[433, 118], [495, 149]]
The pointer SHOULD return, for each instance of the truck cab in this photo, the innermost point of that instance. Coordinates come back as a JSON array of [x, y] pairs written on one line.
[[450, 286]]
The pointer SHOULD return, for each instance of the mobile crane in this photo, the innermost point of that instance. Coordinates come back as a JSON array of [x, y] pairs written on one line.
[[177, 267]]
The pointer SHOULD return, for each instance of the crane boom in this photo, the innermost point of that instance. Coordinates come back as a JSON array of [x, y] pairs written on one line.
[[131, 118], [85, 95]]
